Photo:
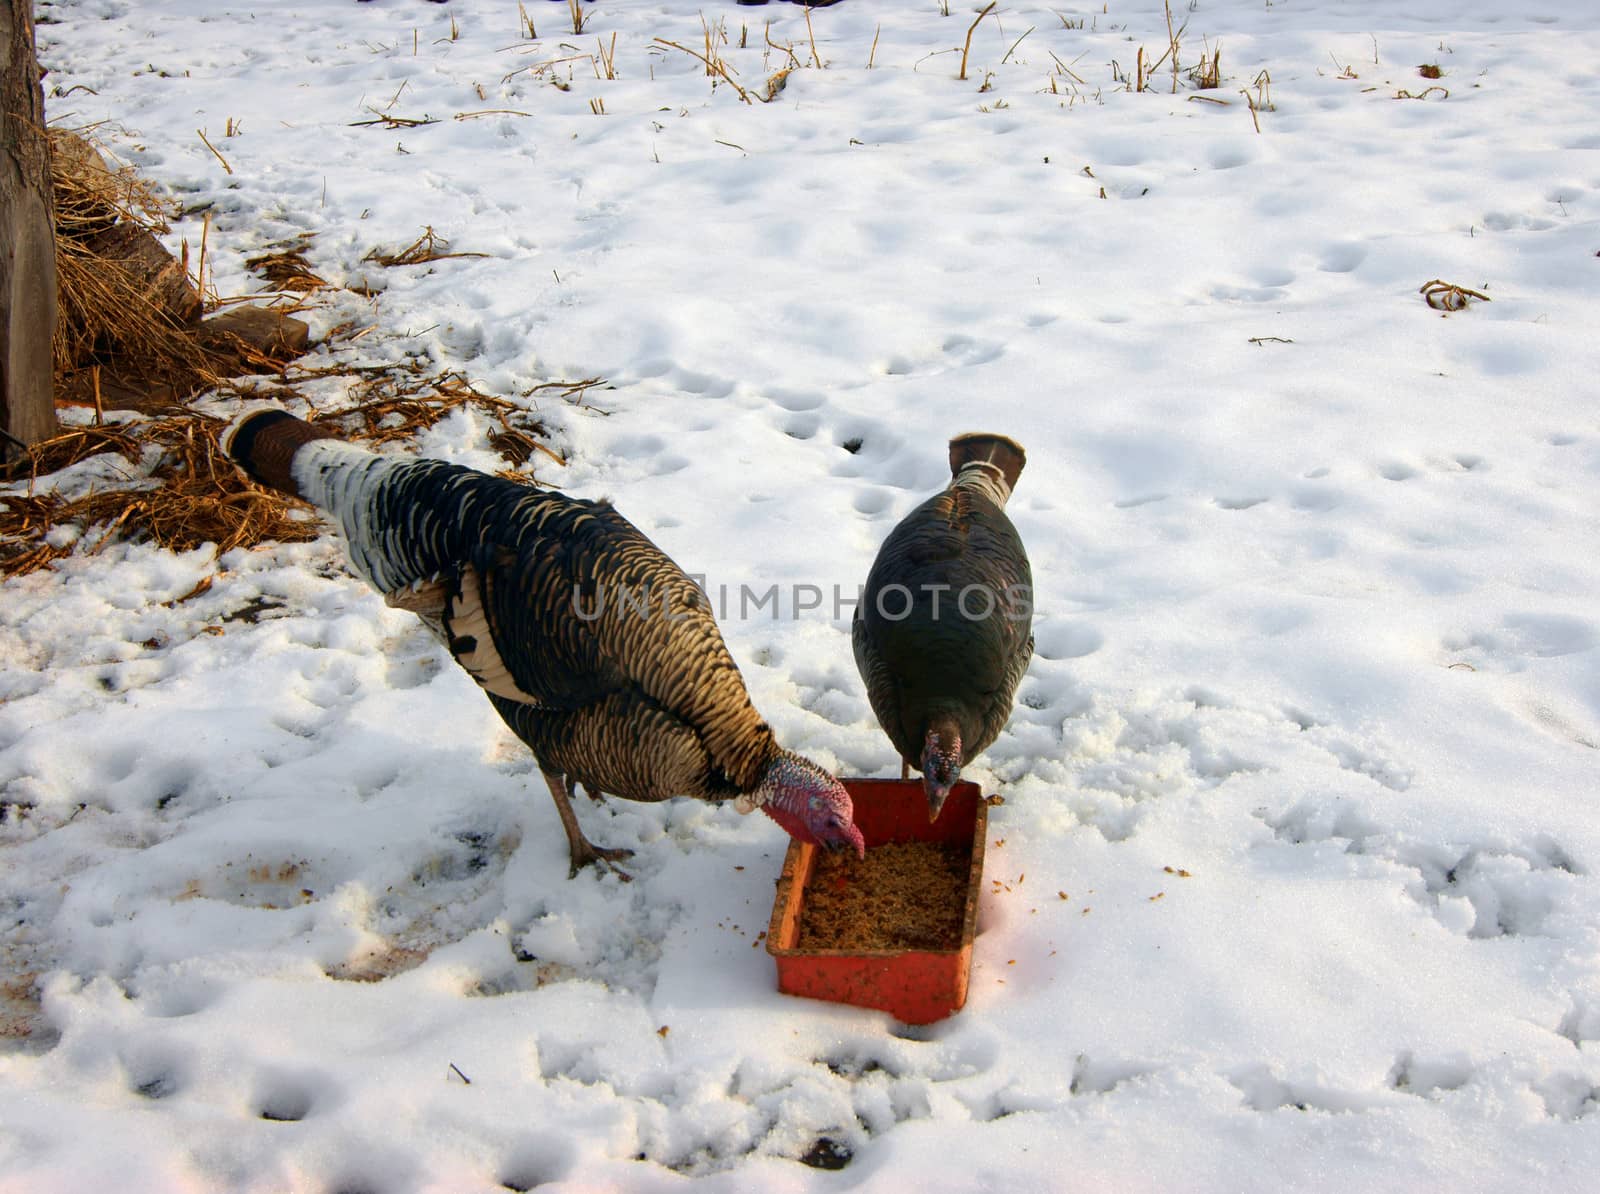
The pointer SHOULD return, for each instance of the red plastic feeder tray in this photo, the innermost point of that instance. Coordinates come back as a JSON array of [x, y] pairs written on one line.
[[915, 986]]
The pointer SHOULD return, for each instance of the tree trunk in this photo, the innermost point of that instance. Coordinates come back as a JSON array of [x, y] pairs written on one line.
[[27, 239]]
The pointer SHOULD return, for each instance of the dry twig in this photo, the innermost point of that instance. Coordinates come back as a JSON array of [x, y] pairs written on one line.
[[427, 247], [967, 46], [227, 168], [1446, 296], [714, 66]]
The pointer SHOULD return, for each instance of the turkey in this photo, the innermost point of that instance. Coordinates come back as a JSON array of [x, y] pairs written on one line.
[[942, 633], [596, 649]]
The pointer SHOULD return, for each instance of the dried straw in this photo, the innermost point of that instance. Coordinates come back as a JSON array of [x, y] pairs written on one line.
[[286, 266], [105, 310], [192, 495], [427, 247], [181, 490]]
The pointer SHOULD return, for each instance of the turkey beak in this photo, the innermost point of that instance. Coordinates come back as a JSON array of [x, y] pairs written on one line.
[[936, 798], [841, 845]]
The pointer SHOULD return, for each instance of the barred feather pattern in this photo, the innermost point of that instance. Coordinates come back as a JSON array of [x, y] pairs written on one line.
[[937, 663], [626, 684]]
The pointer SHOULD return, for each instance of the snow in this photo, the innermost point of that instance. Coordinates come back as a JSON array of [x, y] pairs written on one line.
[[286, 905]]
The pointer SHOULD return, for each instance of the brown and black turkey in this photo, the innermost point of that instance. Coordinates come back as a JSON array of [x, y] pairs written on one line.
[[596, 649], [943, 631]]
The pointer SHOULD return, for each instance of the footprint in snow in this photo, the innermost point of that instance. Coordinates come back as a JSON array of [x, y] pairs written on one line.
[[632, 447], [1143, 499], [1504, 221], [1581, 1023], [156, 1073], [1363, 762], [1264, 1091], [1055, 639], [1311, 821], [1341, 257], [871, 452], [1272, 275], [832, 705], [1428, 1079], [1231, 156], [666, 465], [802, 426], [281, 1097], [965, 350], [1318, 499], [175, 994], [1524, 636], [1480, 891], [872, 502], [1098, 1076], [796, 400], [957, 351], [1229, 293], [1568, 1096], [703, 385], [537, 1161]]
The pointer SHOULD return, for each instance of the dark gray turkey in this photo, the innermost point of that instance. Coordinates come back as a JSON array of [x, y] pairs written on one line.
[[599, 652], [943, 631]]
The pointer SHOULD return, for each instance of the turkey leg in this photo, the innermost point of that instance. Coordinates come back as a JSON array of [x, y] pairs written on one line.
[[582, 851]]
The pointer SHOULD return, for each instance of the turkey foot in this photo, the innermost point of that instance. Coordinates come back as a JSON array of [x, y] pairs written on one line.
[[589, 854], [580, 849]]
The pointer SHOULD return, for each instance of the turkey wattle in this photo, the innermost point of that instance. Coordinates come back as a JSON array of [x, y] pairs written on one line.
[[943, 631], [538, 596]]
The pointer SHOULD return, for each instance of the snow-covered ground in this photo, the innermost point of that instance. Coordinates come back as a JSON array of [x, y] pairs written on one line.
[[285, 905]]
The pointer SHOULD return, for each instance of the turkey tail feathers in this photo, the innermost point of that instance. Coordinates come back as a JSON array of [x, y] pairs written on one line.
[[987, 448], [264, 443]]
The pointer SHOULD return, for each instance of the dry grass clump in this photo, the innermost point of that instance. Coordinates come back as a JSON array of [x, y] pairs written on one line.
[[190, 496], [193, 494], [390, 407], [717, 67], [106, 323], [120, 297], [67, 449], [129, 335], [286, 266], [427, 247], [1206, 74], [90, 195]]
